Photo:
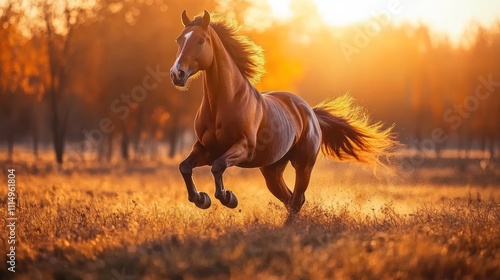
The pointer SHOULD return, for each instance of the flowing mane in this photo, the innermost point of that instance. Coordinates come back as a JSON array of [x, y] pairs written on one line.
[[248, 56]]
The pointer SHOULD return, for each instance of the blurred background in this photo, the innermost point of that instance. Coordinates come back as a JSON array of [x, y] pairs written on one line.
[[72, 72]]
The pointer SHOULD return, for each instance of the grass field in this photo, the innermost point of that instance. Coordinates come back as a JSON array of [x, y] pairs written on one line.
[[133, 221]]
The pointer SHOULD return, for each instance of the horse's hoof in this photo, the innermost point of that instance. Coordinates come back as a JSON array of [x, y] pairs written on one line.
[[204, 201], [230, 200]]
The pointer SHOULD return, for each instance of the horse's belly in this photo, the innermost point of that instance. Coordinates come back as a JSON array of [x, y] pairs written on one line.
[[269, 150]]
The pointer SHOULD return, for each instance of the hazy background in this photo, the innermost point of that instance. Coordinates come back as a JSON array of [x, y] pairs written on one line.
[[68, 70], [72, 91]]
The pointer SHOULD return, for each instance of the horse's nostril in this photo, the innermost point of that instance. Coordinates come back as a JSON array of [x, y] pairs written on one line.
[[181, 74]]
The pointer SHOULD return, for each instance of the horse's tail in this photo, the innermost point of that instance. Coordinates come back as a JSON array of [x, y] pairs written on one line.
[[348, 134]]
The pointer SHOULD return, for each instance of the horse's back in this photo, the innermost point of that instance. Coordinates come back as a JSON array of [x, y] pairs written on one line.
[[296, 108]]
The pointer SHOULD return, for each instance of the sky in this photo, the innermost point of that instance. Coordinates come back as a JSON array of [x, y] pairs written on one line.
[[450, 17]]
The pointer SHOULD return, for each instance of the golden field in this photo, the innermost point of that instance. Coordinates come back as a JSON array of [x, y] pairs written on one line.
[[133, 221]]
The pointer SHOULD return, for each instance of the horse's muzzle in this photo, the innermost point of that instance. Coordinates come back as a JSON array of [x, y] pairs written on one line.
[[179, 77]]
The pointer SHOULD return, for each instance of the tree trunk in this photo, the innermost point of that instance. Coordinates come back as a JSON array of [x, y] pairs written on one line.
[[136, 138], [173, 135], [437, 150], [173, 143], [57, 131], [100, 151], [34, 130], [10, 147], [492, 148], [124, 145], [35, 144], [59, 148], [154, 150], [82, 148], [109, 143]]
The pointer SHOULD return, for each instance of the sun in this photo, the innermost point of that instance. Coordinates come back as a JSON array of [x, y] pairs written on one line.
[[280, 8], [333, 12]]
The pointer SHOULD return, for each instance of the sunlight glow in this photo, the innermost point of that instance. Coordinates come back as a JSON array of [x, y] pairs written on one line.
[[339, 13], [280, 8], [332, 12], [451, 17]]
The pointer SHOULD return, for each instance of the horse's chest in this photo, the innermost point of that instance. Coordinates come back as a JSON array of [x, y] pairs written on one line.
[[217, 135]]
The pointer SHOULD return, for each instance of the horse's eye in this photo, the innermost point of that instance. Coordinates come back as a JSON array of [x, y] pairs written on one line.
[[202, 41]]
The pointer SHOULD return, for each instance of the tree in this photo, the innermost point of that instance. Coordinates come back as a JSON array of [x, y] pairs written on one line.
[[20, 76], [60, 52]]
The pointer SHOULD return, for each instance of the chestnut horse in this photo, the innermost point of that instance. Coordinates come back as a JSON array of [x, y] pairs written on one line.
[[236, 125]]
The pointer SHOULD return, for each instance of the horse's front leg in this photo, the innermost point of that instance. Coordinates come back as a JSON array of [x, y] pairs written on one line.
[[236, 154], [199, 156]]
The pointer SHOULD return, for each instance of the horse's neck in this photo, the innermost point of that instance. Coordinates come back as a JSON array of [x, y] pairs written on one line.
[[223, 80]]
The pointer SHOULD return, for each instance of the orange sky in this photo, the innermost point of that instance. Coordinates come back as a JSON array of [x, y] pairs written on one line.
[[451, 17]]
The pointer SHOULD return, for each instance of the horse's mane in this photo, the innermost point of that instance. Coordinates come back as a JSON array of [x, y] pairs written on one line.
[[248, 56]]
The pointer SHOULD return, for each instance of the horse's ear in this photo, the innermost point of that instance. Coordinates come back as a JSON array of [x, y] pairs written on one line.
[[185, 19], [206, 19]]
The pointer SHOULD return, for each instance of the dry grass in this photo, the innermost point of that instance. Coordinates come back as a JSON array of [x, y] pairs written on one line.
[[110, 221]]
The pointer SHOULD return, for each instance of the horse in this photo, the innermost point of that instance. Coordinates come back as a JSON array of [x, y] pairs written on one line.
[[236, 125]]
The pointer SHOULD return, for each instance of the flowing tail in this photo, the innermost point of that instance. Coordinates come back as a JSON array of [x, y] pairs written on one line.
[[348, 134]]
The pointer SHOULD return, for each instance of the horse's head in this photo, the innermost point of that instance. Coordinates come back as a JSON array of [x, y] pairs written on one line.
[[194, 49]]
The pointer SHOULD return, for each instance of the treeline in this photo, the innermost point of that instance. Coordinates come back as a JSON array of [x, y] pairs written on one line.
[[95, 74]]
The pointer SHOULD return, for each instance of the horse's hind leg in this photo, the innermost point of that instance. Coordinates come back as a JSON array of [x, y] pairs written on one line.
[[302, 177], [275, 183], [303, 167]]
